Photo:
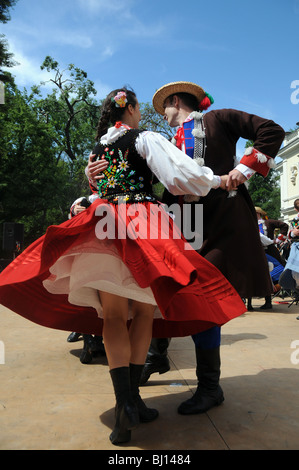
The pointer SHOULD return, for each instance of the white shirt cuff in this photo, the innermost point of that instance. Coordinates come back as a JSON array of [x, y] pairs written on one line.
[[245, 170]]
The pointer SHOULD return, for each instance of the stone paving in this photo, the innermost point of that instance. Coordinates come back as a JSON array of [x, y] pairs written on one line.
[[50, 401]]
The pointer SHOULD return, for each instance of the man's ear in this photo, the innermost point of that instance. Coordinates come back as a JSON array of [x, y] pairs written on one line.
[[176, 101]]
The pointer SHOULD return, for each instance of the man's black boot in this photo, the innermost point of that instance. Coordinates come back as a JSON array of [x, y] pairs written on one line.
[[97, 347], [86, 354], [157, 360], [268, 303], [249, 304], [73, 337], [208, 393]]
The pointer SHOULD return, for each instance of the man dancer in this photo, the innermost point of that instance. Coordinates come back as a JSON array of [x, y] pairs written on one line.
[[231, 238]]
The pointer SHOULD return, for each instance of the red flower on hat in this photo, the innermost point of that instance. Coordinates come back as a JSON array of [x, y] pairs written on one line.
[[206, 102]]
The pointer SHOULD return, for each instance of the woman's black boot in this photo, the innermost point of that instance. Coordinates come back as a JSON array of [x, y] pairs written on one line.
[[126, 413], [145, 414]]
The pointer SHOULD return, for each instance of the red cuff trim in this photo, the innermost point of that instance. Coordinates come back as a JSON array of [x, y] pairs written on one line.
[[257, 161]]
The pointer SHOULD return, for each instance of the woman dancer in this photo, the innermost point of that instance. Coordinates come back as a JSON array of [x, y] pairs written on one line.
[[121, 268]]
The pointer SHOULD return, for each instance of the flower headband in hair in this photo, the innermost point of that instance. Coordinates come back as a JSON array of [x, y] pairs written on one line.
[[120, 99]]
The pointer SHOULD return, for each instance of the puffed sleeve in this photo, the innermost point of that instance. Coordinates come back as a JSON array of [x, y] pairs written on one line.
[[179, 173]]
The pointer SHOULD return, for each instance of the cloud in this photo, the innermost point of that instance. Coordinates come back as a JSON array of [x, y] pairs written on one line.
[[73, 39], [140, 30], [104, 6], [123, 18], [102, 89], [256, 108], [35, 35], [28, 72], [108, 51]]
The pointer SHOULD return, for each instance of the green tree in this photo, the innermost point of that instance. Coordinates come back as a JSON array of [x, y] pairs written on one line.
[[4, 9], [70, 110], [6, 57], [44, 146], [153, 121], [33, 183], [265, 193]]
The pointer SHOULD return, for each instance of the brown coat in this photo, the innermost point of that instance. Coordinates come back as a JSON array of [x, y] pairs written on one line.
[[230, 233], [231, 236]]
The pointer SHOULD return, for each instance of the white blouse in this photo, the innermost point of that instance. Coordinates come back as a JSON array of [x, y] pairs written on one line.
[[179, 173]]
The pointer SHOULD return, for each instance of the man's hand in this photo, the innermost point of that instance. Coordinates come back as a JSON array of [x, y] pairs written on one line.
[[235, 178], [94, 169], [224, 183], [295, 232]]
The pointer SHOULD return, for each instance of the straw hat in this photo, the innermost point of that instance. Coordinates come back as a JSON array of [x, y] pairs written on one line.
[[260, 211], [173, 88]]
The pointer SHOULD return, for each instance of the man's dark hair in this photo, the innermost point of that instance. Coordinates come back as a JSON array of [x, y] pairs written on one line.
[[189, 100]]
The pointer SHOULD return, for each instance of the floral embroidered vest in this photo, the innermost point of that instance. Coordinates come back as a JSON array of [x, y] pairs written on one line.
[[127, 177]]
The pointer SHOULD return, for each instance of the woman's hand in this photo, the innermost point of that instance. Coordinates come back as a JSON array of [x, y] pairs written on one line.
[[223, 181]]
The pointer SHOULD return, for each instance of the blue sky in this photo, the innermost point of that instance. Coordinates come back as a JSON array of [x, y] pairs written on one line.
[[244, 53]]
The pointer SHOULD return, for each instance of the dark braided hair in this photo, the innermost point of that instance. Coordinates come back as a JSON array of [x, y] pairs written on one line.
[[110, 113]]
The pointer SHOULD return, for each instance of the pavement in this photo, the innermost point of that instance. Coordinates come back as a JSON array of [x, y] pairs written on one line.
[[50, 401]]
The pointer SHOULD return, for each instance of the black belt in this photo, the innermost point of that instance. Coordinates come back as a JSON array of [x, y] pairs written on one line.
[[130, 197]]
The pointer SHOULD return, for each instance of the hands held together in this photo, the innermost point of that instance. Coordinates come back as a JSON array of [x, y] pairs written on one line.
[[231, 181]]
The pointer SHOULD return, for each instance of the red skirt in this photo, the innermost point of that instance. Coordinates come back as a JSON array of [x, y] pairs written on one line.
[[134, 251]]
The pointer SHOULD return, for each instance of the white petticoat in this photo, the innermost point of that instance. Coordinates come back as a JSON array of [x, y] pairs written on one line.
[[81, 275]]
